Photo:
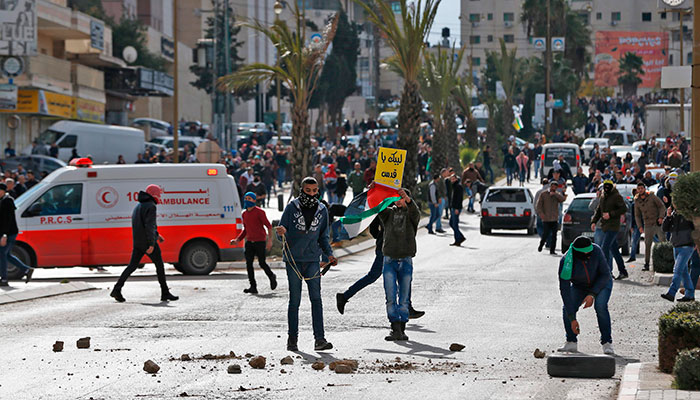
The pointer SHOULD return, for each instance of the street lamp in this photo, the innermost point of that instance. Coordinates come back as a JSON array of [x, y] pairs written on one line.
[[279, 6]]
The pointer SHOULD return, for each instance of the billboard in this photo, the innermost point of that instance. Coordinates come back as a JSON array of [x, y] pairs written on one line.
[[611, 46], [18, 28]]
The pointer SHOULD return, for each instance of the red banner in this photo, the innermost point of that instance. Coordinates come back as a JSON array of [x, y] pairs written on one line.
[[611, 46]]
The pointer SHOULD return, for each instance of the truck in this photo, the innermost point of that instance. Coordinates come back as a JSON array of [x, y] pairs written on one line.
[[664, 118]]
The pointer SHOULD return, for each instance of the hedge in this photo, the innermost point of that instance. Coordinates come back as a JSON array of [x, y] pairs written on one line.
[[686, 192], [687, 369], [662, 256], [679, 329]]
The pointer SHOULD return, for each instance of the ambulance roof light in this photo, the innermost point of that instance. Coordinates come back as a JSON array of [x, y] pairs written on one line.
[[81, 162], [212, 172]]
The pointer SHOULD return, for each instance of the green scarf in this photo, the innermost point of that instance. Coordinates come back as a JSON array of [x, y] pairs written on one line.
[[569, 260]]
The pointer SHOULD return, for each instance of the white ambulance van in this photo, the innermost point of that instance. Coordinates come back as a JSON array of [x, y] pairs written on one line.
[[81, 216]]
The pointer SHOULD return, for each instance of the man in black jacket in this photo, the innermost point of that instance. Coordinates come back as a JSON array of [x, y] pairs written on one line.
[[9, 231], [456, 209], [683, 246], [146, 238]]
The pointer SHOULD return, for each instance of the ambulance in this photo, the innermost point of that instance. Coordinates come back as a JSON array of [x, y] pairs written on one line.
[[80, 215]]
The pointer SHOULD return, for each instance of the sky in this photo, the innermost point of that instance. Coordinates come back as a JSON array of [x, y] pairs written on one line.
[[447, 16]]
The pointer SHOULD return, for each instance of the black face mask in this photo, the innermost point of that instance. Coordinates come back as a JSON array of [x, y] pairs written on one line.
[[607, 189], [307, 201], [582, 256]]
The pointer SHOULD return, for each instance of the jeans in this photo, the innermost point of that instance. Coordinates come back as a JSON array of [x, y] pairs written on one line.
[[470, 194], [509, 176], [523, 175], [537, 167], [539, 227], [438, 222], [434, 215], [636, 236], [307, 270], [601, 311], [612, 250], [398, 274], [280, 176], [598, 237], [252, 250], [549, 235], [488, 171], [682, 256], [136, 256], [374, 273], [454, 224], [6, 255]]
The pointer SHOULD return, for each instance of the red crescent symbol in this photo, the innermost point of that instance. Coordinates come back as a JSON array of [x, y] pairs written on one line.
[[104, 197]]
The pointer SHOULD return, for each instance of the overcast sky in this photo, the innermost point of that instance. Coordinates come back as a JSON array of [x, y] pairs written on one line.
[[447, 16]]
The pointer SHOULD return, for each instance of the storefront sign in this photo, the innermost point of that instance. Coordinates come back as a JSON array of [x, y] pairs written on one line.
[[167, 47], [88, 110], [33, 101], [18, 26], [97, 35], [55, 104], [8, 97]]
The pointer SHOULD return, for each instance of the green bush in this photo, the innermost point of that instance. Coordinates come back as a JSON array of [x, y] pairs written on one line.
[[467, 155], [686, 192], [662, 255], [687, 369], [679, 329]]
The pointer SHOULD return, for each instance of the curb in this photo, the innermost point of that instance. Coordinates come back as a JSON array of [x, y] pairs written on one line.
[[662, 279], [629, 384], [46, 291]]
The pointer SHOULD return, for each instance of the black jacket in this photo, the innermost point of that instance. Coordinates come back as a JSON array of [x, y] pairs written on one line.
[[143, 222], [8, 223], [457, 196], [681, 230]]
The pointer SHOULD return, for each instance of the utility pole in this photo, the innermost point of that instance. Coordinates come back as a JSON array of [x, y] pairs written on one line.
[[227, 65], [279, 6], [215, 72], [176, 111], [681, 15], [548, 69], [695, 141]]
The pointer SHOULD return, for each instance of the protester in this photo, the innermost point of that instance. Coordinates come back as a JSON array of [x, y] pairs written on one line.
[[522, 162], [683, 246], [649, 214], [356, 180], [9, 231], [257, 241], [611, 207], [547, 208], [433, 203], [456, 207], [303, 229], [145, 242]]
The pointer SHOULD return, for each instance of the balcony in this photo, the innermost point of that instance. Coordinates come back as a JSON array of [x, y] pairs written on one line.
[[61, 22], [46, 72], [88, 77]]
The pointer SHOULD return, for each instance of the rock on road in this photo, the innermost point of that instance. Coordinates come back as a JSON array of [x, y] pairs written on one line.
[[496, 295]]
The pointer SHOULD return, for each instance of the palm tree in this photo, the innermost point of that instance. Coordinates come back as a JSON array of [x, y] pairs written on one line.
[[406, 37], [299, 68], [438, 78], [462, 95], [506, 64], [631, 67]]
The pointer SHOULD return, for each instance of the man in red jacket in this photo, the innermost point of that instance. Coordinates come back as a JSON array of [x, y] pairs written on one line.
[[258, 241]]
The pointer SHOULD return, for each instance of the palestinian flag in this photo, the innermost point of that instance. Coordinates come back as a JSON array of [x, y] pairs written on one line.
[[366, 205], [518, 123]]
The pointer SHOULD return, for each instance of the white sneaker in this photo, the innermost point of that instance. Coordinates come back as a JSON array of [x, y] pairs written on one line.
[[608, 349], [569, 347]]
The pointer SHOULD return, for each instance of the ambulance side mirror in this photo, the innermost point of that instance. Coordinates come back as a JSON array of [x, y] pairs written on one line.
[[32, 211]]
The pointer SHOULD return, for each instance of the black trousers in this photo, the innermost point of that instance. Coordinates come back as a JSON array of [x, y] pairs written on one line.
[[549, 228], [136, 256], [252, 250]]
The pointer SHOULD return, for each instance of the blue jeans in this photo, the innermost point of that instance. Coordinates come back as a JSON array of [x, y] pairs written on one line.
[[441, 208], [398, 274], [537, 167], [601, 312], [468, 191], [454, 224], [374, 273], [434, 216], [307, 270], [509, 176], [636, 236], [612, 250], [280, 176], [488, 171], [682, 256], [598, 237], [6, 255], [523, 175]]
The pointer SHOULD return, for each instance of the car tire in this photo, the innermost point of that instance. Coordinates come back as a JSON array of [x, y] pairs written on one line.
[[581, 366], [198, 258], [531, 230], [484, 230], [14, 273]]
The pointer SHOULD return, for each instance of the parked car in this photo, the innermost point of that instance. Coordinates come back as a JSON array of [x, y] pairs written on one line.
[[36, 163], [506, 207], [168, 141], [283, 140], [577, 221], [620, 138], [621, 151], [589, 144], [521, 143], [552, 151], [157, 127]]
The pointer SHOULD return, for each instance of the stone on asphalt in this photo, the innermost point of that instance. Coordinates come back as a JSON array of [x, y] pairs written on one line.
[[343, 369], [58, 346], [185, 357], [83, 343], [257, 362], [350, 363], [539, 353], [457, 347], [287, 361], [151, 367], [234, 369], [318, 365]]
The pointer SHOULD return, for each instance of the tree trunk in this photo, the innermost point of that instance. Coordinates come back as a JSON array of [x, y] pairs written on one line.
[[440, 145], [409, 132], [301, 143], [471, 132], [452, 138]]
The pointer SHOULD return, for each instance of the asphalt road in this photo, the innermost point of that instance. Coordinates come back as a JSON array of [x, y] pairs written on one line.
[[496, 295]]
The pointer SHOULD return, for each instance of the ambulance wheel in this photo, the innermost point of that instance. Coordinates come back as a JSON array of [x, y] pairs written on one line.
[[568, 365], [198, 258], [14, 273]]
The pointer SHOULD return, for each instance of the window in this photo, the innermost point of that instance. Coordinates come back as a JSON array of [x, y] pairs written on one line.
[[474, 17], [474, 39], [69, 142], [396, 7], [689, 59], [616, 16], [509, 17], [61, 200], [489, 16], [580, 205], [646, 17], [489, 38], [506, 196], [509, 38], [599, 16], [663, 15], [585, 17], [476, 61]]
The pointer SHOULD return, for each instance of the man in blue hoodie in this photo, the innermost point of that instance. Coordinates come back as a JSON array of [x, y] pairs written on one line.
[[303, 229], [585, 279]]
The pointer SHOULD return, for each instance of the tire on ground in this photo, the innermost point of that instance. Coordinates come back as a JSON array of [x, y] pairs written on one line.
[[484, 229], [581, 366], [198, 258], [14, 273]]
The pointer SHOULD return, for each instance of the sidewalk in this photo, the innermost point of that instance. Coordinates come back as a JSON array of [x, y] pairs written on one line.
[[19, 291], [644, 381]]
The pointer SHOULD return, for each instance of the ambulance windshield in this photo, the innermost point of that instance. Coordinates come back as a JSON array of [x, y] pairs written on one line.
[[29, 194]]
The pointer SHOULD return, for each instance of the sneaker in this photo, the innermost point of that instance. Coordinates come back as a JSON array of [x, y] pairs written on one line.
[[322, 344], [440, 231], [273, 282], [28, 275], [629, 260], [292, 344], [668, 297], [340, 303], [414, 314], [646, 267], [430, 232], [622, 275], [539, 248], [608, 349], [251, 290], [101, 269], [117, 295], [569, 347], [459, 242], [686, 299], [4, 283]]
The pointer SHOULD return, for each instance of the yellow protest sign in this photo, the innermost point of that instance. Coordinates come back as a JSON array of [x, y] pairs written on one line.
[[390, 164]]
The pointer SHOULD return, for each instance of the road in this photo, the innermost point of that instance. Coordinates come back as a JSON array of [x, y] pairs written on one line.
[[496, 295]]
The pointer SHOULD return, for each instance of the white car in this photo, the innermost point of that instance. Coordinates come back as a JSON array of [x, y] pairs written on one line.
[[589, 144], [168, 141], [508, 207], [621, 151], [620, 138], [157, 127]]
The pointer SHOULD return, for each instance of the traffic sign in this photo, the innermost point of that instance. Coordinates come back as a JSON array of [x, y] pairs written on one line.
[[558, 43], [540, 43]]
